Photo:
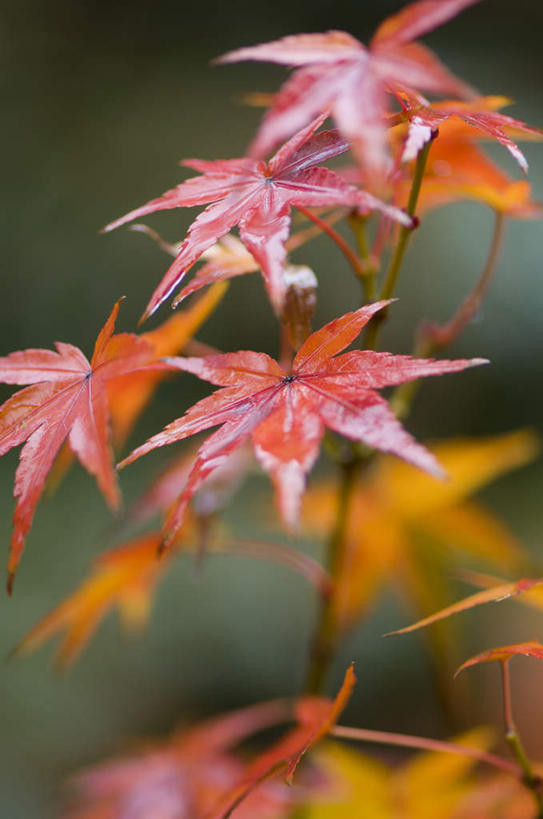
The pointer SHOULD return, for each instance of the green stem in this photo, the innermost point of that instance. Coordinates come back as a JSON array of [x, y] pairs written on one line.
[[404, 235], [327, 629], [512, 737], [368, 278]]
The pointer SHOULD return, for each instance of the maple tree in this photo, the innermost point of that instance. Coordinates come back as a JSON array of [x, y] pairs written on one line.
[[404, 521]]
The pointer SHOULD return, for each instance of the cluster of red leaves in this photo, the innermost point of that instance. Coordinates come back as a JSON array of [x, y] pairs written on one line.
[[197, 774], [282, 409]]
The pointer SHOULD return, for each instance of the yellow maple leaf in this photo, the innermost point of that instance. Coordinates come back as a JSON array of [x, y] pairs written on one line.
[[405, 526], [427, 786]]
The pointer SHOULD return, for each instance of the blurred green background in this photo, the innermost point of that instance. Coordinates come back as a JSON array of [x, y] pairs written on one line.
[[100, 100]]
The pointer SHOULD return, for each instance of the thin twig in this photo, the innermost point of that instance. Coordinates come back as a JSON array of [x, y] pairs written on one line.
[[442, 335], [512, 737], [283, 555], [368, 277], [425, 744], [404, 235], [327, 630], [356, 263], [433, 336]]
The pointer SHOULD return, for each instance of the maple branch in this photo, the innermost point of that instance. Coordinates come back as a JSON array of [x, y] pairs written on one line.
[[299, 238], [440, 336], [367, 278], [326, 632], [404, 235], [283, 555], [358, 266], [434, 336], [512, 737], [425, 744]]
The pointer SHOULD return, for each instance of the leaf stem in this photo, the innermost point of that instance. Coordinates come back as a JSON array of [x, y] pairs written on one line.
[[433, 336], [442, 335], [327, 629], [425, 744], [404, 235], [356, 263], [512, 737], [368, 278]]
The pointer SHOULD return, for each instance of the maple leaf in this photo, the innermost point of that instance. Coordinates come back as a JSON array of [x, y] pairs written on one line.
[[337, 72], [213, 496], [286, 413], [129, 394], [533, 598], [493, 595], [197, 773], [456, 167], [478, 114], [228, 259], [187, 774], [399, 511], [258, 197], [428, 785], [461, 170], [67, 399], [504, 654], [125, 577]]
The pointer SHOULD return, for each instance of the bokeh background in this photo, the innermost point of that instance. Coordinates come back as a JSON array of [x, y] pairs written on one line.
[[100, 100]]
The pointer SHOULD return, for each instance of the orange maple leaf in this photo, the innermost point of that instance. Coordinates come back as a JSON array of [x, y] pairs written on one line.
[[400, 508], [124, 577]]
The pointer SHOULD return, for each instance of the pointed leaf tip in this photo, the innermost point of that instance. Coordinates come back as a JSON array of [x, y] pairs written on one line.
[[504, 654], [493, 595]]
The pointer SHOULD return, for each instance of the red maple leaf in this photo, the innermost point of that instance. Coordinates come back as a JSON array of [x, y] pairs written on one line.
[[339, 73], [67, 399], [286, 413], [425, 118], [186, 775], [257, 196]]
